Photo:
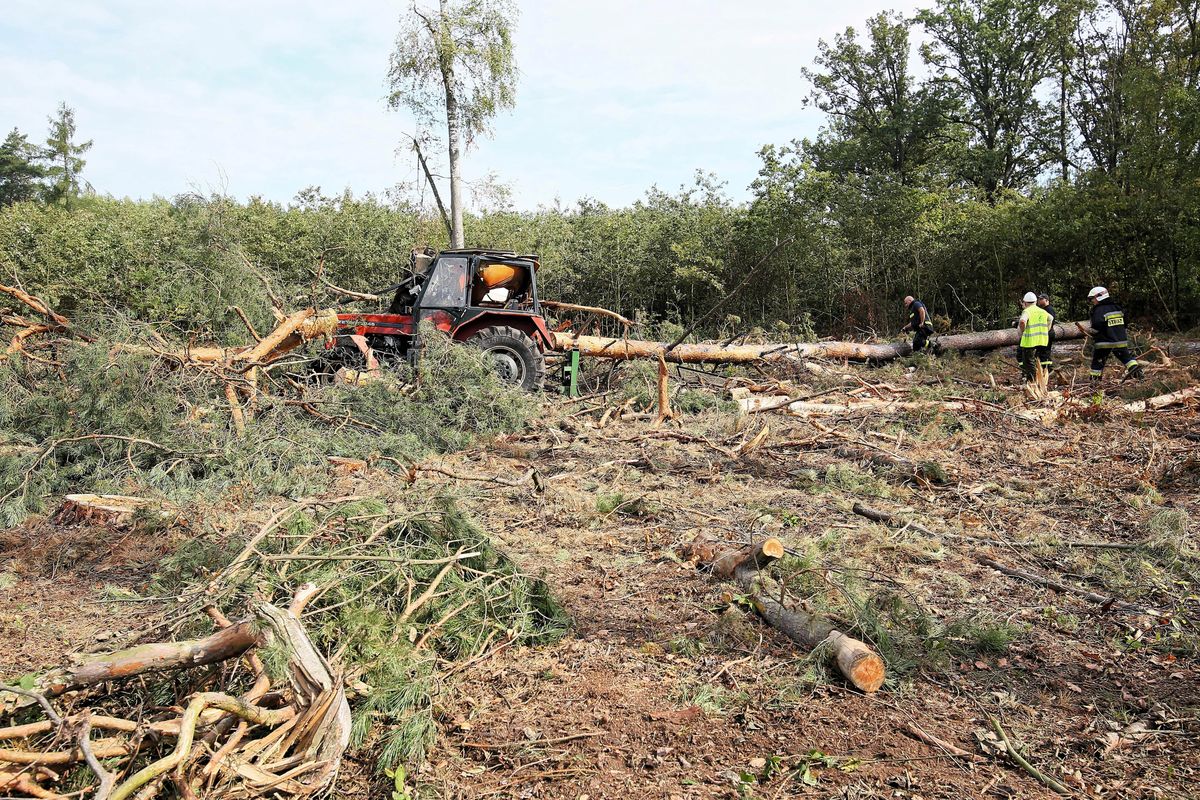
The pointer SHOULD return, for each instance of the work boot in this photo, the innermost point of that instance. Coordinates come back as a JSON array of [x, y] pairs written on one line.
[[1137, 372]]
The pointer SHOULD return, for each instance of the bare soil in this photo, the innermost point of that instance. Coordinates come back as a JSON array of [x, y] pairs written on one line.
[[661, 690]]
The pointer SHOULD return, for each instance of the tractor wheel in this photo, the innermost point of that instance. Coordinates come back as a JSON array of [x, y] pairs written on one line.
[[516, 357]]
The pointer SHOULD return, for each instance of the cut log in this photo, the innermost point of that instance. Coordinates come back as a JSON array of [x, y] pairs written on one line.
[[725, 565], [605, 347], [156, 657], [861, 665]]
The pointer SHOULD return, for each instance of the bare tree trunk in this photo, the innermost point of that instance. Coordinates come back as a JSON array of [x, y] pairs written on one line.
[[602, 347], [454, 139]]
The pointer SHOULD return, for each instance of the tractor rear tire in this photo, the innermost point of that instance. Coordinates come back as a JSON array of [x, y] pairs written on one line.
[[517, 358]]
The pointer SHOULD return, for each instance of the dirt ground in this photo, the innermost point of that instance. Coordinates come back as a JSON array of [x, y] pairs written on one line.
[[662, 689]]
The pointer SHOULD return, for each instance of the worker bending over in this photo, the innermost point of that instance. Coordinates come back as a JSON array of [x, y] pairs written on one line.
[[1034, 330], [1108, 328], [918, 323]]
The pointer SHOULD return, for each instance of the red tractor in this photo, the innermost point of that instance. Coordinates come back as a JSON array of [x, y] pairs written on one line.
[[487, 298]]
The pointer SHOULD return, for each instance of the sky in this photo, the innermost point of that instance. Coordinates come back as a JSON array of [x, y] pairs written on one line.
[[267, 97]]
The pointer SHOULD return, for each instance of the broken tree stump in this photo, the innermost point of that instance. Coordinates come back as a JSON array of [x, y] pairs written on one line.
[[101, 508], [746, 566]]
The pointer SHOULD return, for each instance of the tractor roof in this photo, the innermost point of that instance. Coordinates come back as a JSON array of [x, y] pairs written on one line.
[[494, 253]]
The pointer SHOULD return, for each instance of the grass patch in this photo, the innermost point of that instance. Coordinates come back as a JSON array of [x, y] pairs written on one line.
[[850, 478]]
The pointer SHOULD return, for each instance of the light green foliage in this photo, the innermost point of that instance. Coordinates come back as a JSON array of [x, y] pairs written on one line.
[[456, 59]]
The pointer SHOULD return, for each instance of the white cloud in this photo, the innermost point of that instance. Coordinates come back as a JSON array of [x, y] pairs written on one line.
[[614, 96]]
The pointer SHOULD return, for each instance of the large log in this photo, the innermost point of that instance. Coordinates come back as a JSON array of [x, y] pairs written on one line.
[[624, 349], [861, 665], [156, 657]]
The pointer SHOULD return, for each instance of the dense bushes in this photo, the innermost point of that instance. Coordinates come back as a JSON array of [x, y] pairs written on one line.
[[857, 247]]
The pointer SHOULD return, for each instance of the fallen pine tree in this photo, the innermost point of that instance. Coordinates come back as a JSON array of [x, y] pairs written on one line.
[[624, 349], [746, 566]]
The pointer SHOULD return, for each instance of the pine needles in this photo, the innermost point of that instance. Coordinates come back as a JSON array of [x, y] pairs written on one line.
[[402, 594], [112, 421]]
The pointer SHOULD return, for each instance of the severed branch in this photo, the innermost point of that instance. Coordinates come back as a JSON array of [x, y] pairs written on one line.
[[106, 778], [600, 312], [37, 305], [39, 698], [22, 781], [347, 292], [1020, 760], [1106, 603], [156, 657], [941, 744]]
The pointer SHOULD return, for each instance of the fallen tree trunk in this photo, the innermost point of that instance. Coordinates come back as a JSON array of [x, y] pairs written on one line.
[[802, 408], [861, 665], [291, 332], [220, 646], [624, 349]]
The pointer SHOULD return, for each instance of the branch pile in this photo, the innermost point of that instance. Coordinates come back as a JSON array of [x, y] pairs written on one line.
[[362, 606]]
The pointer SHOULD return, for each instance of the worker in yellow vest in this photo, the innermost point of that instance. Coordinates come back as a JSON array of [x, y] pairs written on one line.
[[1034, 330]]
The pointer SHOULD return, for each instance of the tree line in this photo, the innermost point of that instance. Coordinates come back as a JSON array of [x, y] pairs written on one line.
[[1046, 145]]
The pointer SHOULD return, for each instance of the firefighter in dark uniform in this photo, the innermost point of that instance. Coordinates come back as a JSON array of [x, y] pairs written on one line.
[[1108, 328], [1045, 304], [918, 323]]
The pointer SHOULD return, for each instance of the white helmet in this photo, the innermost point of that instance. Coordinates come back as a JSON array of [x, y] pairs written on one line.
[[1029, 297], [1098, 293]]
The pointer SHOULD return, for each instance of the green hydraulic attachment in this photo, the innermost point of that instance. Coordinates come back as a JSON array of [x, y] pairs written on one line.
[[570, 373]]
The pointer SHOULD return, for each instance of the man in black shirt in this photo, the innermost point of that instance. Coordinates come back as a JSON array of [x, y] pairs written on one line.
[[918, 323], [1048, 307], [1108, 328]]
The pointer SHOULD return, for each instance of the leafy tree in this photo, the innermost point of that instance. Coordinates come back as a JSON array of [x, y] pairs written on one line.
[[20, 172], [880, 120], [993, 56], [455, 63], [65, 156]]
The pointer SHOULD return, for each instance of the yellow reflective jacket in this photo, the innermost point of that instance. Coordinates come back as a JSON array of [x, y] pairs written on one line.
[[1037, 327]]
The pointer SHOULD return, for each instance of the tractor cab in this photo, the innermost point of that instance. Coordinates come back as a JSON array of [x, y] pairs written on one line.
[[486, 297], [459, 281]]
